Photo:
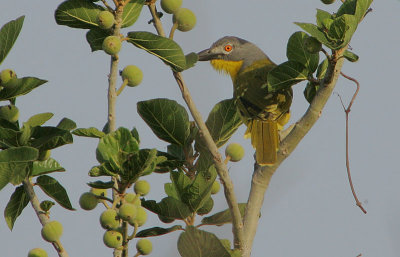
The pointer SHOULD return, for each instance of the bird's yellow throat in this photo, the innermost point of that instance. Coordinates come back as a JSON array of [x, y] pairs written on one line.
[[229, 67]]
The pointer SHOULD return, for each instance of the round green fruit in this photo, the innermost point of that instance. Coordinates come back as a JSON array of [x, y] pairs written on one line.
[[99, 191], [7, 78], [132, 198], [166, 219], [44, 155], [207, 207], [112, 239], [328, 1], [235, 151], [142, 187], [312, 45], [141, 217], [185, 18], [127, 211], [88, 201], [216, 186], [171, 6], [226, 243], [112, 45], [109, 219], [37, 252], [144, 246], [9, 112], [52, 231], [133, 74], [105, 19]]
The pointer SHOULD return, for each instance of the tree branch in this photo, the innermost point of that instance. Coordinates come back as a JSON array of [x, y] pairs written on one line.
[[262, 175], [41, 214]]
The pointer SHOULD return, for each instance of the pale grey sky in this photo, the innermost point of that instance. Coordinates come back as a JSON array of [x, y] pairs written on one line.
[[309, 210]]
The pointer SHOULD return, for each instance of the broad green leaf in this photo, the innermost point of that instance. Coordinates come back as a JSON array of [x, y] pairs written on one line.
[[167, 163], [8, 138], [19, 154], [350, 56], [321, 16], [45, 167], [88, 132], [342, 29], [10, 125], [310, 91], [199, 243], [39, 119], [157, 231], [66, 124], [316, 32], [222, 217], [322, 68], [23, 86], [135, 134], [204, 162], [164, 48], [138, 164], [18, 201], [101, 184], [200, 190], [47, 138], [356, 7], [191, 60], [19, 171], [286, 75], [131, 12], [296, 51], [102, 170], [78, 14], [170, 190], [168, 207], [167, 119], [8, 35], [176, 151], [95, 38], [206, 207], [223, 120], [55, 190], [115, 146], [179, 184]]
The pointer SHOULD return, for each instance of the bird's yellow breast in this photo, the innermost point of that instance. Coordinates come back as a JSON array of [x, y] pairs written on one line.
[[229, 67]]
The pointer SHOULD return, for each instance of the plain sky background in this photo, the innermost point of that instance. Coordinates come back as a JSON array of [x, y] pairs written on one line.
[[308, 210]]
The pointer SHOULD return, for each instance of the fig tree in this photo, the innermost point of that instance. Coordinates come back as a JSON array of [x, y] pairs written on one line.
[[185, 18], [144, 246], [171, 6], [109, 219], [133, 74], [235, 151], [132, 198], [112, 239], [105, 19], [142, 187], [52, 231], [127, 211], [207, 207], [112, 45], [140, 218], [88, 201], [312, 45], [37, 252]]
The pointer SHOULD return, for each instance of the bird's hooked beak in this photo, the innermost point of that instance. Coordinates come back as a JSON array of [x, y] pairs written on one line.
[[207, 55]]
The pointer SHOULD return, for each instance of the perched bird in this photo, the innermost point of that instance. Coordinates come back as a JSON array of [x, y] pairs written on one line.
[[263, 112]]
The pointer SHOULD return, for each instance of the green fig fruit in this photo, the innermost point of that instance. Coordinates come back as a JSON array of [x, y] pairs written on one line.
[[142, 187], [52, 231], [9, 112], [171, 6], [185, 18], [235, 151], [133, 74], [88, 201], [144, 246], [112, 239], [127, 211], [112, 45], [109, 219], [105, 19], [216, 186], [37, 252]]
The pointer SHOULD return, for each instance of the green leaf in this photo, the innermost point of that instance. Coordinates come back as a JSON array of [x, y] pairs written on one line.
[[310, 91], [179, 184], [167, 119], [342, 29], [358, 8], [102, 170], [223, 120], [47, 138], [350, 56], [55, 190], [286, 75], [321, 16], [200, 190], [19, 154], [167, 163], [322, 68], [115, 146], [135, 134], [78, 14], [170, 190], [88, 132], [66, 124], [199, 243], [157, 231], [13, 172], [22, 87], [316, 32], [164, 48], [8, 35], [131, 12], [95, 38], [8, 138], [101, 184], [138, 164], [45, 167], [222, 217], [18, 201], [191, 60], [39, 119], [296, 51], [168, 207]]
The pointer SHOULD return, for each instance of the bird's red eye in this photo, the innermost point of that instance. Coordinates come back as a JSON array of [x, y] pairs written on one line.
[[228, 48]]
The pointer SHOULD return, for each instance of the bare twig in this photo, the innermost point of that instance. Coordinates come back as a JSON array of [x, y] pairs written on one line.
[[347, 111], [173, 28]]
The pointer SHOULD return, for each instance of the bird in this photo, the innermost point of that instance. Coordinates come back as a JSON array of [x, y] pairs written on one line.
[[264, 113]]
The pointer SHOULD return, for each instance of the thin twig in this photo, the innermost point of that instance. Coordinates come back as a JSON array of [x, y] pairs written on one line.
[[347, 111], [107, 6], [122, 87], [173, 28]]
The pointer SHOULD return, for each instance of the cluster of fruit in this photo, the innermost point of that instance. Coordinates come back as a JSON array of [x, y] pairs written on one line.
[[129, 210], [8, 79], [183, 17]]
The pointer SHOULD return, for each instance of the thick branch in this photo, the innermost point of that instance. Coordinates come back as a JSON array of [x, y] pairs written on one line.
[[41, 214], [262, 175]]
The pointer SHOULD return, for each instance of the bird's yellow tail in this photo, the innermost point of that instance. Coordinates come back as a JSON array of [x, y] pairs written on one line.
[[265, 139]]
